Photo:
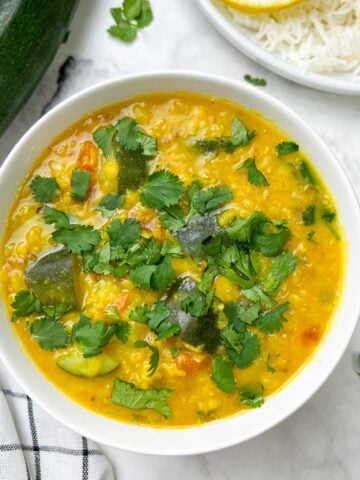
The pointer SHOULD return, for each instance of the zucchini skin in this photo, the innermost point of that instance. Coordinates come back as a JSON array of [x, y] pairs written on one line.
[[31, 32]]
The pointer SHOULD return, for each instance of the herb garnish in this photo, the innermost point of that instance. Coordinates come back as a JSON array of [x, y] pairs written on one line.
[[131, 17], [154, 358], [308, 216], [128, 395], [223, 375], [45, 189], [258, 82], [254, 175], [284, 148]]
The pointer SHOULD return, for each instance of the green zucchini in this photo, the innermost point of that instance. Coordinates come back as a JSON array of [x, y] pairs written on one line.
[[197, 331], [133, 170], [30, 35], [76, 364], [197, 233], [51, 278]]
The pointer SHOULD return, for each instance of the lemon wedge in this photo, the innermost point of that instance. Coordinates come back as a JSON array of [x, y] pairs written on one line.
[[259, 6]]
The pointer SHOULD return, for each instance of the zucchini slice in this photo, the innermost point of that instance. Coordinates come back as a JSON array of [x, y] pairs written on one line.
[[51, 278], [196, 331], [198, 230], [76, 364], [133, 170]]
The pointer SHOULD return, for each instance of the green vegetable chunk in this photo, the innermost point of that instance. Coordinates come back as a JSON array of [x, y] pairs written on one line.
[[133, 169], [198, 230], [197, 325], [51, 279], [128, 395], [76, 364]]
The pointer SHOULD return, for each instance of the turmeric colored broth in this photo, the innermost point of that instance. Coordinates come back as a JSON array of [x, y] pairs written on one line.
[[312, 290]]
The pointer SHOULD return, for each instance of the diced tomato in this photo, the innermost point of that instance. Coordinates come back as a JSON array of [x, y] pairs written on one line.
[[123, 301], [311, 334], [191, 361], [88, 157]]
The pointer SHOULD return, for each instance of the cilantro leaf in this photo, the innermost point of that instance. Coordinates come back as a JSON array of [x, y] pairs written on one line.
[[142, 275], [25, 304], [210, 199], [122, 331], [238, 314], [251, 395], [284, 148], [250, 350], [223, 375], [123, 30], [49, 334], [281, 266], [271, 322], [172, 218], [60, 219], [123, 234], [45, 189], [109, 204], [92, 336], [328, 215], [163, 275], [139, 314], [163, 189], [310, 235], [243, 229], [57, 311], [103, 137], [306, 172], [241, 136], [256, 294], [158, 320], [308, 215], [77, 238], [132, 138], [154, 358], [146, 15], [268, 242], [258, 82], [128, 395], [80, 183], [206, 147], [132, 8], [254, 175]]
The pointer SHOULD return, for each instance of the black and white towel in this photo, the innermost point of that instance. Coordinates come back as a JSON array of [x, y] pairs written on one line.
[[34, 446]]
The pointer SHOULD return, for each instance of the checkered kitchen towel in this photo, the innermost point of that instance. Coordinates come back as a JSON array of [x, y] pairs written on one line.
[[35, 446]]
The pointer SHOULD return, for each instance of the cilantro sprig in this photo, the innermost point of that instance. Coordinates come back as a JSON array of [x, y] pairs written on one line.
[[45, 189], [132, 16]]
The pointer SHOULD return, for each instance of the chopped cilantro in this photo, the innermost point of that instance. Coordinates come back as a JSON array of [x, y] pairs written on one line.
[[328, 215], [134, 15], [206, 147], [92, 336], [281, 266], [49, 334], [175, 352], [223, 374], [306, 172], [308, 215], [251, 395], [128, 395], [258, 82], [154, 358], [270, 243], [157, 318], [123, 234], [45, 189], [271, 322], [103, 137], [109, 204], [210, 199], [77, 238], [243, 229], [243, 348], [284, 148], [254, 175], [60, 219], [269, 366], [155, 277], [172, 218], [310, 235], [238, 314], [80, 183], [25, 304], [57, 311], [256, 294], [241, 136], [163, 189]]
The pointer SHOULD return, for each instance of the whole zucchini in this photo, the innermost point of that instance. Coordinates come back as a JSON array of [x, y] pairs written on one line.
[[31, 32]]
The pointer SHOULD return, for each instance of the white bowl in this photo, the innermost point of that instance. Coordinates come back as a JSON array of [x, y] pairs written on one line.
[[229, 431], [220, 17]]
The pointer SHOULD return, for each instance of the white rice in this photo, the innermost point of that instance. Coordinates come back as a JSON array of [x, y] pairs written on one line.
[[318, 35]]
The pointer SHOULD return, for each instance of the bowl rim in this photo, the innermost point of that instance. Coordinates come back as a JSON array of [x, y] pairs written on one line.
[[237, 37], [221, 433]]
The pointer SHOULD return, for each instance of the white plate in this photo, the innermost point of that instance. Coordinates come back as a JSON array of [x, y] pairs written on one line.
[[240, 38]]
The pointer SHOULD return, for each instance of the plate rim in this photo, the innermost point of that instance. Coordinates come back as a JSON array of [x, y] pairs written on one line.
[[270, 61]]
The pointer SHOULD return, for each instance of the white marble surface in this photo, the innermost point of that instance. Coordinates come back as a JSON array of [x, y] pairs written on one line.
[[322, 440]]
